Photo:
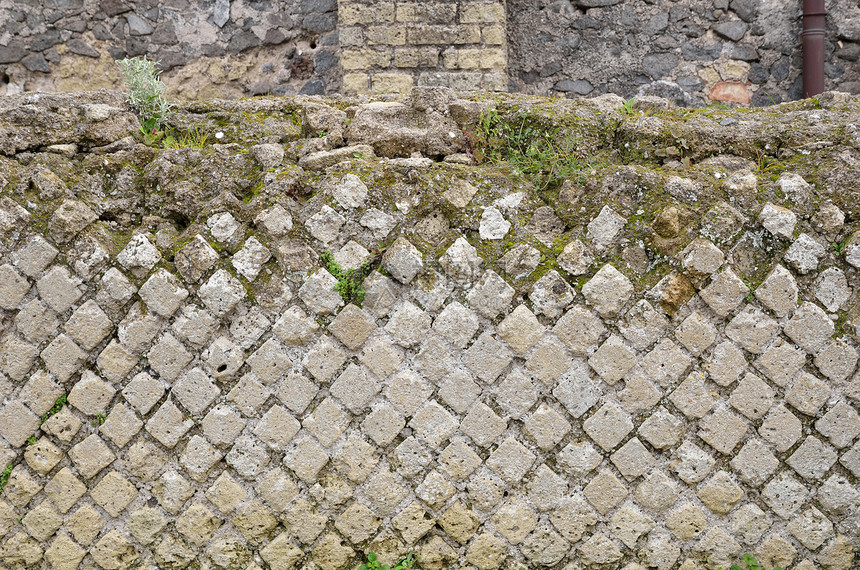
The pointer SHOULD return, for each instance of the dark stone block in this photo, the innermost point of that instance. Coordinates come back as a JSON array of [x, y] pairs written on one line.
[[315, 86], [260, 5], [679, 12], [658, 65], [596, 3], [117, 52], [780, 68], [764, 99], [833, 70], [550, 69], [152, 14], [666, 42], [137, 26], [578, 86], [732, 30], [274, 37], [673, 92], [693, 52], [101, 32], [851, 52], [76, 25], [213, 50], [52, 16], [136, 47], [283, 89], [315, 6], [260, 88], [588, 23], [118, 30], [36, 62], [81, 47], [743, 52], [528, 77], [69, 7], [114, 7], [33, 20], [570, 42], [657, 23], [43, 41], [242, 41], [795, 92], [629, 18], [279, 20], [745, 9], [690, 83], [167, 60], [324, 60], [165, 34], [320, 23], [758, 73], [52, 56]]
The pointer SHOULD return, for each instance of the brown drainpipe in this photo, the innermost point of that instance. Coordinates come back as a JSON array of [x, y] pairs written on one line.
[[813, 47]]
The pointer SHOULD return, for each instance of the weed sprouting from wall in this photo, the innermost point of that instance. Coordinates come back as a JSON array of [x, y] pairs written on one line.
[[546, 154], [146, 91]]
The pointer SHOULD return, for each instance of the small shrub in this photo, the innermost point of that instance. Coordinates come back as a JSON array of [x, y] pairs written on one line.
[[146, 92]]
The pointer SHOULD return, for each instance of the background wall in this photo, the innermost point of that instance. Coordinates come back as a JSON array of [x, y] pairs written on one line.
[[207, 49], [745, 51], [738, 50]]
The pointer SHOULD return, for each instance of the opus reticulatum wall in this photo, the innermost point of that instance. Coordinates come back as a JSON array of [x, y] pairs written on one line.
[[650, 365]]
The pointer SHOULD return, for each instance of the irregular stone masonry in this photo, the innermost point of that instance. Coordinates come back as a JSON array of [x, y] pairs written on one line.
[[667, 382], [693, 53]]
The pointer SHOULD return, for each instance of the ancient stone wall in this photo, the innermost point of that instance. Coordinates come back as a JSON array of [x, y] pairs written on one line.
[[744, 51], [225, 48], [390, 47], [330, 330], [738, 51]]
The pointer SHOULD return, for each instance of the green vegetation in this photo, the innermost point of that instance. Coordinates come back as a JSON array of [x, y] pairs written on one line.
[[535, 148], [58, 405], [146, 92], [32, 440], [373, 563], [627, 107], [146, 95], [4, 476], [349, 281], [101, 417], [192, 139], [751, 562]]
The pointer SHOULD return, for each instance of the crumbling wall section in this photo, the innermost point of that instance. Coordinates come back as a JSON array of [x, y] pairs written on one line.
[[332, 330]]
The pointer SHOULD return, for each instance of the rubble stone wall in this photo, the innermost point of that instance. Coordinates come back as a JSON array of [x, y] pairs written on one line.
[[738, 51], [225, 48], [652, 364], [742, 51]]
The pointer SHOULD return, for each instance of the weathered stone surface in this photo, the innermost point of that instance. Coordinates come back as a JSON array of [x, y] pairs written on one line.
[[465, 385]]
